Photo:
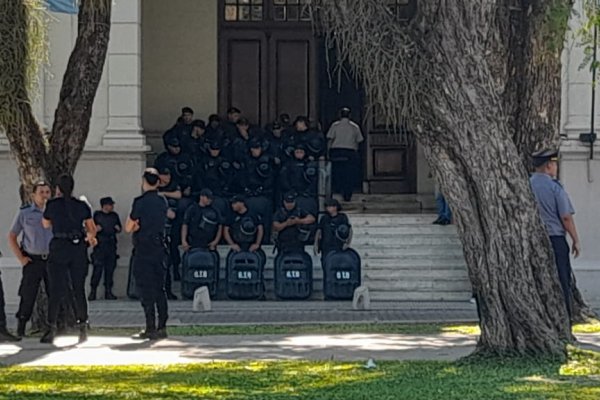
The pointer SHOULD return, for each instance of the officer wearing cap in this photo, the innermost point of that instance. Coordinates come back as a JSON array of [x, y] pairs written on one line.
[[557, 213], [230, 126], [301, 176], [147, 221], [32, 253], [172, 192], [180, 164], [202, 225], [72, 226], [334, 232], [183, 127], [344, 138], [214, 129], [244, 230], [292, 225], [104, 256], [195, 144]]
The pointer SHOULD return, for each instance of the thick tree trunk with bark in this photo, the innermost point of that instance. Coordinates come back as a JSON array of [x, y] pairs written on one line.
[[458, 112], [510, 260], [41, 156]]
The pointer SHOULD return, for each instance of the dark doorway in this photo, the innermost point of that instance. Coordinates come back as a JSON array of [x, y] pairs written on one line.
[[338, 89]]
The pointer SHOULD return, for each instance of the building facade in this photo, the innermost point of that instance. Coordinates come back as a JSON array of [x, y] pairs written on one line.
[[263, 57]]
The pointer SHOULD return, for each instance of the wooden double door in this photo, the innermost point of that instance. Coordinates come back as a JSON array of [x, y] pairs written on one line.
[[268, 72], [269, 67]]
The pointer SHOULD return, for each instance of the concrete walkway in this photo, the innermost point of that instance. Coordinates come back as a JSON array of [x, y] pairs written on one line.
[[128, 313], [178, 350]]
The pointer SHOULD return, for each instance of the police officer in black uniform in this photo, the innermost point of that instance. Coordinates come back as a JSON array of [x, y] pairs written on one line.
[[172, 192], [244, 229], [183, 127], [104, 256], [217, 174], [293, 225], [179, 163], [334, 232], [202, 225], [259, 182], [72, 226], [147, 221], [301, 176], [230, 126]]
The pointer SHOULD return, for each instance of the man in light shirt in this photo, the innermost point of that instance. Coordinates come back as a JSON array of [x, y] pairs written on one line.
[[344, 138]]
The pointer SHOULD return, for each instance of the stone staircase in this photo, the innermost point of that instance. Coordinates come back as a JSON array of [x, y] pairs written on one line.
[[404, 258]]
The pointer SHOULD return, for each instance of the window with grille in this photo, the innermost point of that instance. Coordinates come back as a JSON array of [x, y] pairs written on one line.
[[290, 10], [402, 9], [244, 10]]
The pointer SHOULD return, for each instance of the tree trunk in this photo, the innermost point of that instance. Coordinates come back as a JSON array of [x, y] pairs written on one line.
[[457, 112], [36, 155]]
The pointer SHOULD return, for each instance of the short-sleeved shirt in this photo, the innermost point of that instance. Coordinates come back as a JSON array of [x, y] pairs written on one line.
[[35, 238], [328, 226], [553, 202], [108, 222], [200, 233], [290, 234], [150, 209], [67, 215], [345, 134]]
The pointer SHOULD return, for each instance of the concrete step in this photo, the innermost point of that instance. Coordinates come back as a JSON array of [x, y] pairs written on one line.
[[413, 251], [456, 262], [381, 296], [447, 285], [414, 229], [368, 242], [392, 220], [414, 274]]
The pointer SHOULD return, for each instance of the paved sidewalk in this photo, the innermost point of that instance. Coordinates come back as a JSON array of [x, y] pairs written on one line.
[[125, 313], [177, 350]]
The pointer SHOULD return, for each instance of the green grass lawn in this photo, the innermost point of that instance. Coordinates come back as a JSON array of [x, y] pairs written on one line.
[[482, 380], [333, 329]]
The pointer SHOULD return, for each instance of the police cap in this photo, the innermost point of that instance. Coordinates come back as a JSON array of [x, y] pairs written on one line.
[[542, 157], [300, 146], [187, 110], [207, 193], [173, 141], [198, 123], [215, 145], [237, 199], [164, 171], [333, 203], [106, 201], [290, 197], [276, 125], [254, 144], [234, 110]]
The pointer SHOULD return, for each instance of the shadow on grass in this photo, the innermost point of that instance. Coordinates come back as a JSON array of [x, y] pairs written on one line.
[[489, 379]]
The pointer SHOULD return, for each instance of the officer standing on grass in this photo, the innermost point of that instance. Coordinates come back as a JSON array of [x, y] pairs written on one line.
[[147, 222], [557, 212], [32, 252]]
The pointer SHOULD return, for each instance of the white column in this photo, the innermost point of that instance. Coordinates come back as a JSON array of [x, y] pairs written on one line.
[[124, 128]]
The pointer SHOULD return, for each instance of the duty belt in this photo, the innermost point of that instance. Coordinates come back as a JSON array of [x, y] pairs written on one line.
[[39, 257]]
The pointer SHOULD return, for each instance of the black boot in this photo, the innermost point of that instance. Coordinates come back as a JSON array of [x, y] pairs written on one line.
[[145, 334], [6, 336], [92, 295], [171, 295], [108, 295], [21, 327], [161, 333], [176, 274], [83, 336], [49, 335]]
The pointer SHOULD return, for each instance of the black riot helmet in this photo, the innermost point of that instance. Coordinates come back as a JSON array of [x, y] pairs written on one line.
[[263, 169], [315, 145], [248, 227], [209, 220], [310, 173], [342, 232]]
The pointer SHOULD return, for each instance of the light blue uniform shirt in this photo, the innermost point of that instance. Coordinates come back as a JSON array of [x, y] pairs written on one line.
[[36, 239], [553, 202]]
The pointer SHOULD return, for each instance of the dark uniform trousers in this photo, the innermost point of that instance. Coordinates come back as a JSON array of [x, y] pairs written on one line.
[[563, 263], [345, 171], [104, 259], [2, 305], [33, 274], [149, 269], [67, 270]]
